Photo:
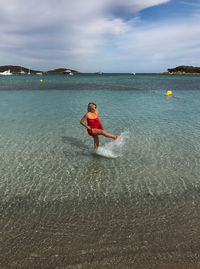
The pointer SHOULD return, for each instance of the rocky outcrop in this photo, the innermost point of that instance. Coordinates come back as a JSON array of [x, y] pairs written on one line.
[[183, 70]]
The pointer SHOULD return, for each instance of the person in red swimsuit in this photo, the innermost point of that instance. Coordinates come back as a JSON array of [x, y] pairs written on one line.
[[94, 126]]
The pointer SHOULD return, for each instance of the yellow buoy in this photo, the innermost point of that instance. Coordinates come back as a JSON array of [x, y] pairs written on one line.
[[41, 80], [168, 93]]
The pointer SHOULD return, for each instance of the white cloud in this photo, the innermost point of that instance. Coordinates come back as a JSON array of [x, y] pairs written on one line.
[[89, 34], [149, 48]]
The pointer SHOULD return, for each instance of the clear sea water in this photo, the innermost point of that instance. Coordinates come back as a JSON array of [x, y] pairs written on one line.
[[63, 205]]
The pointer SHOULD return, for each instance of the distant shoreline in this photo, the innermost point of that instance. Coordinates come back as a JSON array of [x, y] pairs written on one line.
[[180, 70], [24, 70], [180, 73]]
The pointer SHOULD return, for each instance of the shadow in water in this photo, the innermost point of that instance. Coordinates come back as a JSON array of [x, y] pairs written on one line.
[[75, 142], [75, 153]]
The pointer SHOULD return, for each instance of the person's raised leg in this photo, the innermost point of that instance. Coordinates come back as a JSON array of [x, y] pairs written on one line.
[[109, 135], [104, 133]]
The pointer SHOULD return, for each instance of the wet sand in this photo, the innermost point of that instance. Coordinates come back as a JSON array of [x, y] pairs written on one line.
[[131, 233]]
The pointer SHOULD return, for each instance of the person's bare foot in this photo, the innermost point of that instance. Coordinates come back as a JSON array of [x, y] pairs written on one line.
[[117, 136]]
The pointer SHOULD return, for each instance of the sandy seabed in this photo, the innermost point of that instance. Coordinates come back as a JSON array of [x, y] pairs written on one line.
[[127, 234]]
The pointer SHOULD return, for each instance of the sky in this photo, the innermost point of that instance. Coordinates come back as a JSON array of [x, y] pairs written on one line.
[[100, 35]]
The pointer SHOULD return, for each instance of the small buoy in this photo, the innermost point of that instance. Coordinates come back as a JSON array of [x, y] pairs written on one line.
[[168, 93], [41, 80]]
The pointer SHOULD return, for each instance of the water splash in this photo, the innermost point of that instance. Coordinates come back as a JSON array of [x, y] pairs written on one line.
[[115, 148]]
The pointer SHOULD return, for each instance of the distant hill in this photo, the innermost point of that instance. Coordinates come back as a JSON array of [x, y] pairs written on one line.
[[20, 69], [62, 71], [17, 69], [183, 69]]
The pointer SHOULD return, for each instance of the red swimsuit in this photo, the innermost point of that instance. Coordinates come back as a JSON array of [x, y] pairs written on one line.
[[94, 123]]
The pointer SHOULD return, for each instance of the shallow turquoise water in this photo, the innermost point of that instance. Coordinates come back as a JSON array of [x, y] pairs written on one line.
[[41, 134], [47, 156]]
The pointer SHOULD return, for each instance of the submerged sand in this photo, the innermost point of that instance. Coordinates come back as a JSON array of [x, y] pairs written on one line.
[[150, 233]]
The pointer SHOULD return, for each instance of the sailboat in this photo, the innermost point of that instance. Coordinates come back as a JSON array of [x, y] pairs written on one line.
[[29, 72], [22, 72]]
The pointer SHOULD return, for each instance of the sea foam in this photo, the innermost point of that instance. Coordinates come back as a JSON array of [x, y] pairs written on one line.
[[114, 148]]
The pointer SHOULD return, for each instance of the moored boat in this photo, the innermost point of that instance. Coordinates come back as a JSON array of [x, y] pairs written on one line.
[[6, 73]]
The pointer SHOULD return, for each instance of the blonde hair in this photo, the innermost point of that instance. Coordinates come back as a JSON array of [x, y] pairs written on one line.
[[90, 107]]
